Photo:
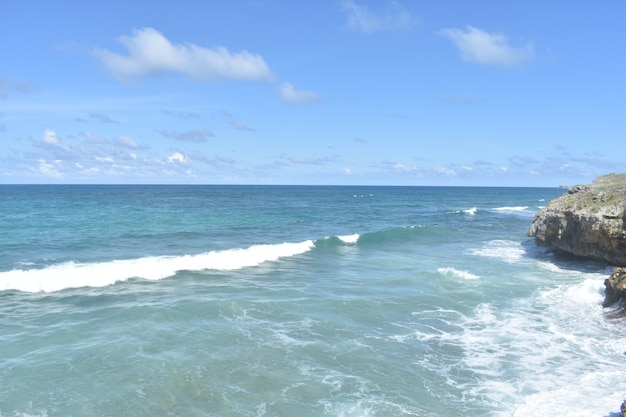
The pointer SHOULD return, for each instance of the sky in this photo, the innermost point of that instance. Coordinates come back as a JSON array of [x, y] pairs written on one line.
[[329, 92]]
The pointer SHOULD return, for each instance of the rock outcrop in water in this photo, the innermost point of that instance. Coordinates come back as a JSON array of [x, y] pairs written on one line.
[[615, 287], [588, 221]]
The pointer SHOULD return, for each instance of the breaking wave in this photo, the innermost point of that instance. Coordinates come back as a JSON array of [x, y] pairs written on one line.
[[99, 274]]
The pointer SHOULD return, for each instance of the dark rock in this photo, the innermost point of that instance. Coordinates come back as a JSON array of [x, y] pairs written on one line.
[[615, 287], [577, 188], [588, 221]]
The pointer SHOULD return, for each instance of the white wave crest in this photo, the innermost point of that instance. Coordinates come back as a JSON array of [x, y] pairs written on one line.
[[516, 208], [457, 273], [100, 274], [349, 238], [470, 211]]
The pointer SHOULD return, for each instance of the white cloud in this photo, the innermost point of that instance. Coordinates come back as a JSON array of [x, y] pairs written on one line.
[[177, 157], [290, 95], [322, 160], [50, 137], [150, 53], [240, 126], [107, 159], [98, 117], [49, 170], [128, 142], [196, 136], [55, 147], [482, 47], [396, 17], [94, 139], [445, 171], [183, 114]]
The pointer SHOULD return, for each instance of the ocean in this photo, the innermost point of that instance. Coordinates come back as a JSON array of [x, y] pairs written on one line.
[[146, 300]]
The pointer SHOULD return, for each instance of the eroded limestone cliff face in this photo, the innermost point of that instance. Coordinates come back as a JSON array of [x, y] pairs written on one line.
[[588, 221]]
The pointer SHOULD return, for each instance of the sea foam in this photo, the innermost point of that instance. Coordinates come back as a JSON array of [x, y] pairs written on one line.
[[533, 359], [457, 273], [525, 211], [505, 250], [516, 208], [100, 274], [470, 211]]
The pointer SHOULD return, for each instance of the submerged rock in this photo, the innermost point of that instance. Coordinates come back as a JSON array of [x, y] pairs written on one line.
[[588, 221]]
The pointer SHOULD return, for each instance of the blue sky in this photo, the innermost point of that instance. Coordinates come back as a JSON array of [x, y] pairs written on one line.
[[511, 93]]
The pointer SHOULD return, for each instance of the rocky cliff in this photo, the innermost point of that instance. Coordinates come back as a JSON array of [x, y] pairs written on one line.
[[588, 221]]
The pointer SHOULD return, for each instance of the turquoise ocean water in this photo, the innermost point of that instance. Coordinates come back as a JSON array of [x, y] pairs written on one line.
[[296, 301]]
